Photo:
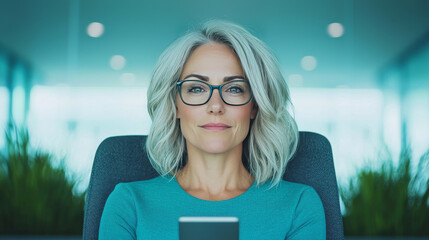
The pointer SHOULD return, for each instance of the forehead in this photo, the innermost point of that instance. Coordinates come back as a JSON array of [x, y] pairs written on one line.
[[213, 60]]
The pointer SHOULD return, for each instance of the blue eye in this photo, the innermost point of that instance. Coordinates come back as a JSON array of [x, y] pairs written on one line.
[[234, 90], [196, 89]]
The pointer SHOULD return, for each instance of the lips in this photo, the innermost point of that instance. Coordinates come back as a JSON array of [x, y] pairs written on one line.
[[215, 126]]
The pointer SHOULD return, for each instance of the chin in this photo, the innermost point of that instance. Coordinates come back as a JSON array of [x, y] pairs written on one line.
[[217, 147]]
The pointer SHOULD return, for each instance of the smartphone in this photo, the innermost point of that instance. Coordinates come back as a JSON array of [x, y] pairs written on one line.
[[208, 228]]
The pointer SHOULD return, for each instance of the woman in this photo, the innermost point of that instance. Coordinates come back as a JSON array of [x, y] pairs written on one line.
[[221, 137]]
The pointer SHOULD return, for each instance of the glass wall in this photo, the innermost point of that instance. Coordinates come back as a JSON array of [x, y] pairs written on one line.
[[4, 98], [406, 87], [72, 121], [416, 100], [350, 118]]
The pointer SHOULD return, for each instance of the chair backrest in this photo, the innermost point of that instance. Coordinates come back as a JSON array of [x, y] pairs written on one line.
[[124, 159]]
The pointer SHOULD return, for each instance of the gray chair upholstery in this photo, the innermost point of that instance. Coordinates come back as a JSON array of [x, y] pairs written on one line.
[[123, 159]]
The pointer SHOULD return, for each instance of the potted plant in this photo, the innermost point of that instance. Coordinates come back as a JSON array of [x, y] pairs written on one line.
[[36, 198]]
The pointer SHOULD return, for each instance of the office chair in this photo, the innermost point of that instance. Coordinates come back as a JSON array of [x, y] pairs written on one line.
[[123, 159]]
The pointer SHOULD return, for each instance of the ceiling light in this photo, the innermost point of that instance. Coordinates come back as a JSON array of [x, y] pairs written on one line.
[[335, 30], [308, 63], [95, 29], [117, 62]]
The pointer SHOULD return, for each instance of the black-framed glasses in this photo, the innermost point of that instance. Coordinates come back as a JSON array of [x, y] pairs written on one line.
[[196, 92]]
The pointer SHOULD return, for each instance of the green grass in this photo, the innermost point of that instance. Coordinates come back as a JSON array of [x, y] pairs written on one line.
[[36, 197], [388, 201]]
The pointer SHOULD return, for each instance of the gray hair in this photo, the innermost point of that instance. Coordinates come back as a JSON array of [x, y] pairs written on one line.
[[273, 134]]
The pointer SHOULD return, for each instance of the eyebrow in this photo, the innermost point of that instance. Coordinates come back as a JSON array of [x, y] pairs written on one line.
[[205, 78]]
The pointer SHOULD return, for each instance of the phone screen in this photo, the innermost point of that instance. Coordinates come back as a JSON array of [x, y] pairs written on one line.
[[208, 228]]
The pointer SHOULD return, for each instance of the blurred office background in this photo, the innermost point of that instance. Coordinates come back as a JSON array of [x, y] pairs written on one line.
[[76, 72]]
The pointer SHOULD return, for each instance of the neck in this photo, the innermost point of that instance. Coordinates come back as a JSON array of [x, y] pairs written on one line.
[[213, 176]]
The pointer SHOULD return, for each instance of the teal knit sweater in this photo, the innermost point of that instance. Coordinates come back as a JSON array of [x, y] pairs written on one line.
[[150, 209]]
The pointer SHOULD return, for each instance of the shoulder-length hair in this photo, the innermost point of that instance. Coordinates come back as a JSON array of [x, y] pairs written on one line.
[[273, 135]]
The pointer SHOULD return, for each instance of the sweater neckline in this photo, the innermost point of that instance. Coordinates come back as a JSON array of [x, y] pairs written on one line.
[[204, 200]]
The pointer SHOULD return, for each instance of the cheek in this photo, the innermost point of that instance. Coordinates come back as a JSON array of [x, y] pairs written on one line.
[[186, 113], [243, 117], [245, 113], [188, 116]]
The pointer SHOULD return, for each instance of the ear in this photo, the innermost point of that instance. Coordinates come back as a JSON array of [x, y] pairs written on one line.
[[254, 111]]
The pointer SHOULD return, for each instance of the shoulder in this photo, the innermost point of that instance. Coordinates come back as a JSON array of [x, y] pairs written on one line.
[[131, 192], [292, 186], [308, 211], [304, 194], [139, 189], [291, 189], [305, 207], [292, 195]]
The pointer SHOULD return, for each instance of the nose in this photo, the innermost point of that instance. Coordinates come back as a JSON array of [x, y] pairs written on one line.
[[215, 104]]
